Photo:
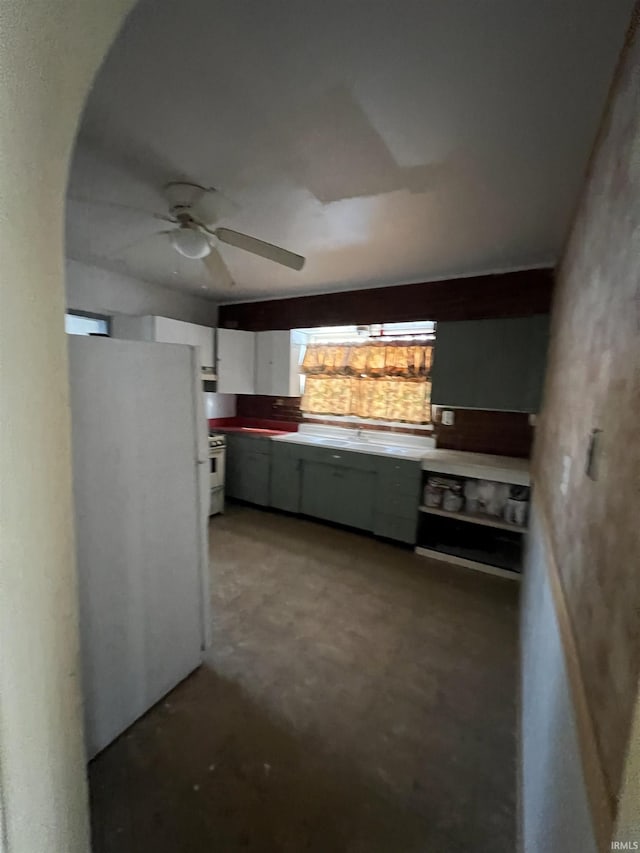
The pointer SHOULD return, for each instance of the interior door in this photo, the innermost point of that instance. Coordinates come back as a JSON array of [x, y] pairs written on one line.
[[138, 528]]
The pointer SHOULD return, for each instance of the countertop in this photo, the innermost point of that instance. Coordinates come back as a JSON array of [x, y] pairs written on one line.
[[373, 442], [257, 432], [259, 427], [501, 469]]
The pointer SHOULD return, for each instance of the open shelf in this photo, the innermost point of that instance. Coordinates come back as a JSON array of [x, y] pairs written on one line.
[[486, 520], [468, 564]]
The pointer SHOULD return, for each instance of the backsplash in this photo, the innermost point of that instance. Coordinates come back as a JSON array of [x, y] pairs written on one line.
[[269, 408], [499, 433], [479, 431]]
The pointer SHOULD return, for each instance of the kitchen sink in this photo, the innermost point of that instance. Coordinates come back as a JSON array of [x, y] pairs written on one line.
[[374, 446]]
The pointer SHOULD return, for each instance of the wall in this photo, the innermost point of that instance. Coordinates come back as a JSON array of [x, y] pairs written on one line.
[[593, 382], [48, 55], [477, 431], [500, 433], [511, 294], [102, 292], [554, 802], [502, 295]]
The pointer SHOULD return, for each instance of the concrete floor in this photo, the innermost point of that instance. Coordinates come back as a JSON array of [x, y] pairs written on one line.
[[357, 698]]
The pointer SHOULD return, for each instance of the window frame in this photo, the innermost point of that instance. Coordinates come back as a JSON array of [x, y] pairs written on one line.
[[91, 315]]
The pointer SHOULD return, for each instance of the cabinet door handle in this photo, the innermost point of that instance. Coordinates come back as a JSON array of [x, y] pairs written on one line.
[[336, 456]]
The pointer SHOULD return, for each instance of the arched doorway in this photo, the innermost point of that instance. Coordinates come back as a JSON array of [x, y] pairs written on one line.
[[49, 53]]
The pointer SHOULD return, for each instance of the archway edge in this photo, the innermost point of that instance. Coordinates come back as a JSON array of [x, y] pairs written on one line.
[[50, 51]]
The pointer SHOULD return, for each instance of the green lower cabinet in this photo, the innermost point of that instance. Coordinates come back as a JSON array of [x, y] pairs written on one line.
[[397, 500], [364, 491], [284, 488], [396, 527], [247, 477], [340, 494]]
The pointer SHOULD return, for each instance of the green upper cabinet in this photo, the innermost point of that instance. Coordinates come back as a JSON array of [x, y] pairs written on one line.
[[491, 364]]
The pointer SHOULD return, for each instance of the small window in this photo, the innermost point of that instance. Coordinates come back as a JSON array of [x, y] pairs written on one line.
[[378, 374], [85, 324]]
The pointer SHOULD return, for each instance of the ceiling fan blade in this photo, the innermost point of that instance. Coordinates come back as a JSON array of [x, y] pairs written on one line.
[[217, 269], [118, 206], [259, 247]]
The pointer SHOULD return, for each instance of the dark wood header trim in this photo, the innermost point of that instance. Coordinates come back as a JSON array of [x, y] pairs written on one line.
[[509, 294]]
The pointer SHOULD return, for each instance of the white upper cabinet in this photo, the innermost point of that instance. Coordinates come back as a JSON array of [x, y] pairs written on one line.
[[277, 356], [168, 331], [236, 362], [178, 332], [245, 362]]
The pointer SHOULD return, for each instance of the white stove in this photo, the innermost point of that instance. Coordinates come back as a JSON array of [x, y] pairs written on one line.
[[217, 449]]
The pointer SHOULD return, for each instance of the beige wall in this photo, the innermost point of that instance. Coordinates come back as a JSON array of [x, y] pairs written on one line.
[[593, 382], [49, 51]]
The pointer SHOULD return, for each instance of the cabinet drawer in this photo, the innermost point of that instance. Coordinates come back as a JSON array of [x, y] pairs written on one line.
[[238, 443], [396, 485], [403, 504], [399, 469], [338, 458], [285, 450], [394, 527], [400, 477]]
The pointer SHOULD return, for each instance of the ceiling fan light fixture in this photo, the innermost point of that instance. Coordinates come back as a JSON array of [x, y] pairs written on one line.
[[190, 242]]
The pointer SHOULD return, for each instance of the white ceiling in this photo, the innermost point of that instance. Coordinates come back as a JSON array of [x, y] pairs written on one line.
[[389, 142]]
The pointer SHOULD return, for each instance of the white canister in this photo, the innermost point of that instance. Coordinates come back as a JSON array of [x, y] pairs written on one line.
[[452, 501]]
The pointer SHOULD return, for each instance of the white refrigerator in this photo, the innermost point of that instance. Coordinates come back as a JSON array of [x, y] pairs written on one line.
[[140, 454]]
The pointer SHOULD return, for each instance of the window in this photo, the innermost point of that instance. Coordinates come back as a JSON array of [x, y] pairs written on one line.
[[380, 373], [76, 323]]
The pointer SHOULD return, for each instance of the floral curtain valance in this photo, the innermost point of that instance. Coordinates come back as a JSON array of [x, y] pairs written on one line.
[[381, 380], [369, 360]]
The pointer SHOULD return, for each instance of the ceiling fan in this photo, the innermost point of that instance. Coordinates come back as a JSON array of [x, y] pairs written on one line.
[[194, 211]]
